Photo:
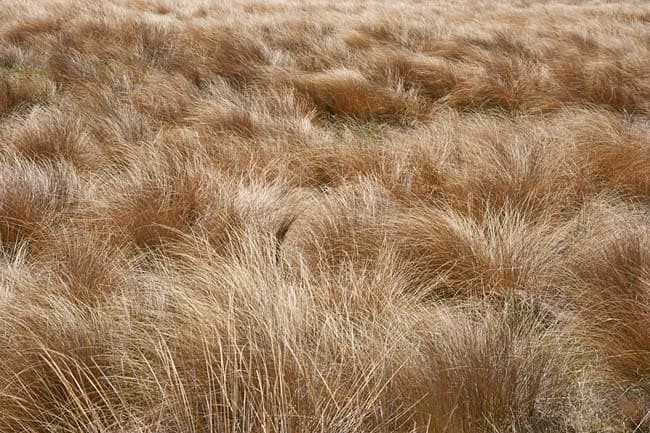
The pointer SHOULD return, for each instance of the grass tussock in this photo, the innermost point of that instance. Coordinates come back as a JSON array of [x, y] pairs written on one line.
[[324, 217]]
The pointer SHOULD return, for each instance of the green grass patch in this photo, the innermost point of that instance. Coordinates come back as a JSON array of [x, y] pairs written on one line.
[[21, 85], [9, 66]]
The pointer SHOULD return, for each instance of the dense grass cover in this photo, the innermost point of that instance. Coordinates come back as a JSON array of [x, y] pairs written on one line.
[[324, 216]]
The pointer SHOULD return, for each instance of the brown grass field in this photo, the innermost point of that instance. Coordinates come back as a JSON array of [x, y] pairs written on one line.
[[354, 216]]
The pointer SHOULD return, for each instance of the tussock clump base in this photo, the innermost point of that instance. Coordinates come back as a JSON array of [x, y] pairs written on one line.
[[324, 216]]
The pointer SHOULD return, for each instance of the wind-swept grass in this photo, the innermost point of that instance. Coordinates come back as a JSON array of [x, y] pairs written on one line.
[[271, 216]]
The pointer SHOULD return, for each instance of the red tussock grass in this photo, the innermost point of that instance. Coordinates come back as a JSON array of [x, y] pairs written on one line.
[[272, 216]]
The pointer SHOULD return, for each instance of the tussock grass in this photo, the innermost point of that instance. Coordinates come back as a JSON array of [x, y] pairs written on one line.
[[271, 216]]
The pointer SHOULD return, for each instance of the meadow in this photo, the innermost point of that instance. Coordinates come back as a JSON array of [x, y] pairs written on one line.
[[285, 216]]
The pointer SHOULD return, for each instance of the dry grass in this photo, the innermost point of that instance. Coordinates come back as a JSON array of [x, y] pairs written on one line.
[[355, 216]]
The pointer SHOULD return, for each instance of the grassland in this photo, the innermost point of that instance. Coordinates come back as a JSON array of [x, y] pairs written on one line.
[[324, 216]]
